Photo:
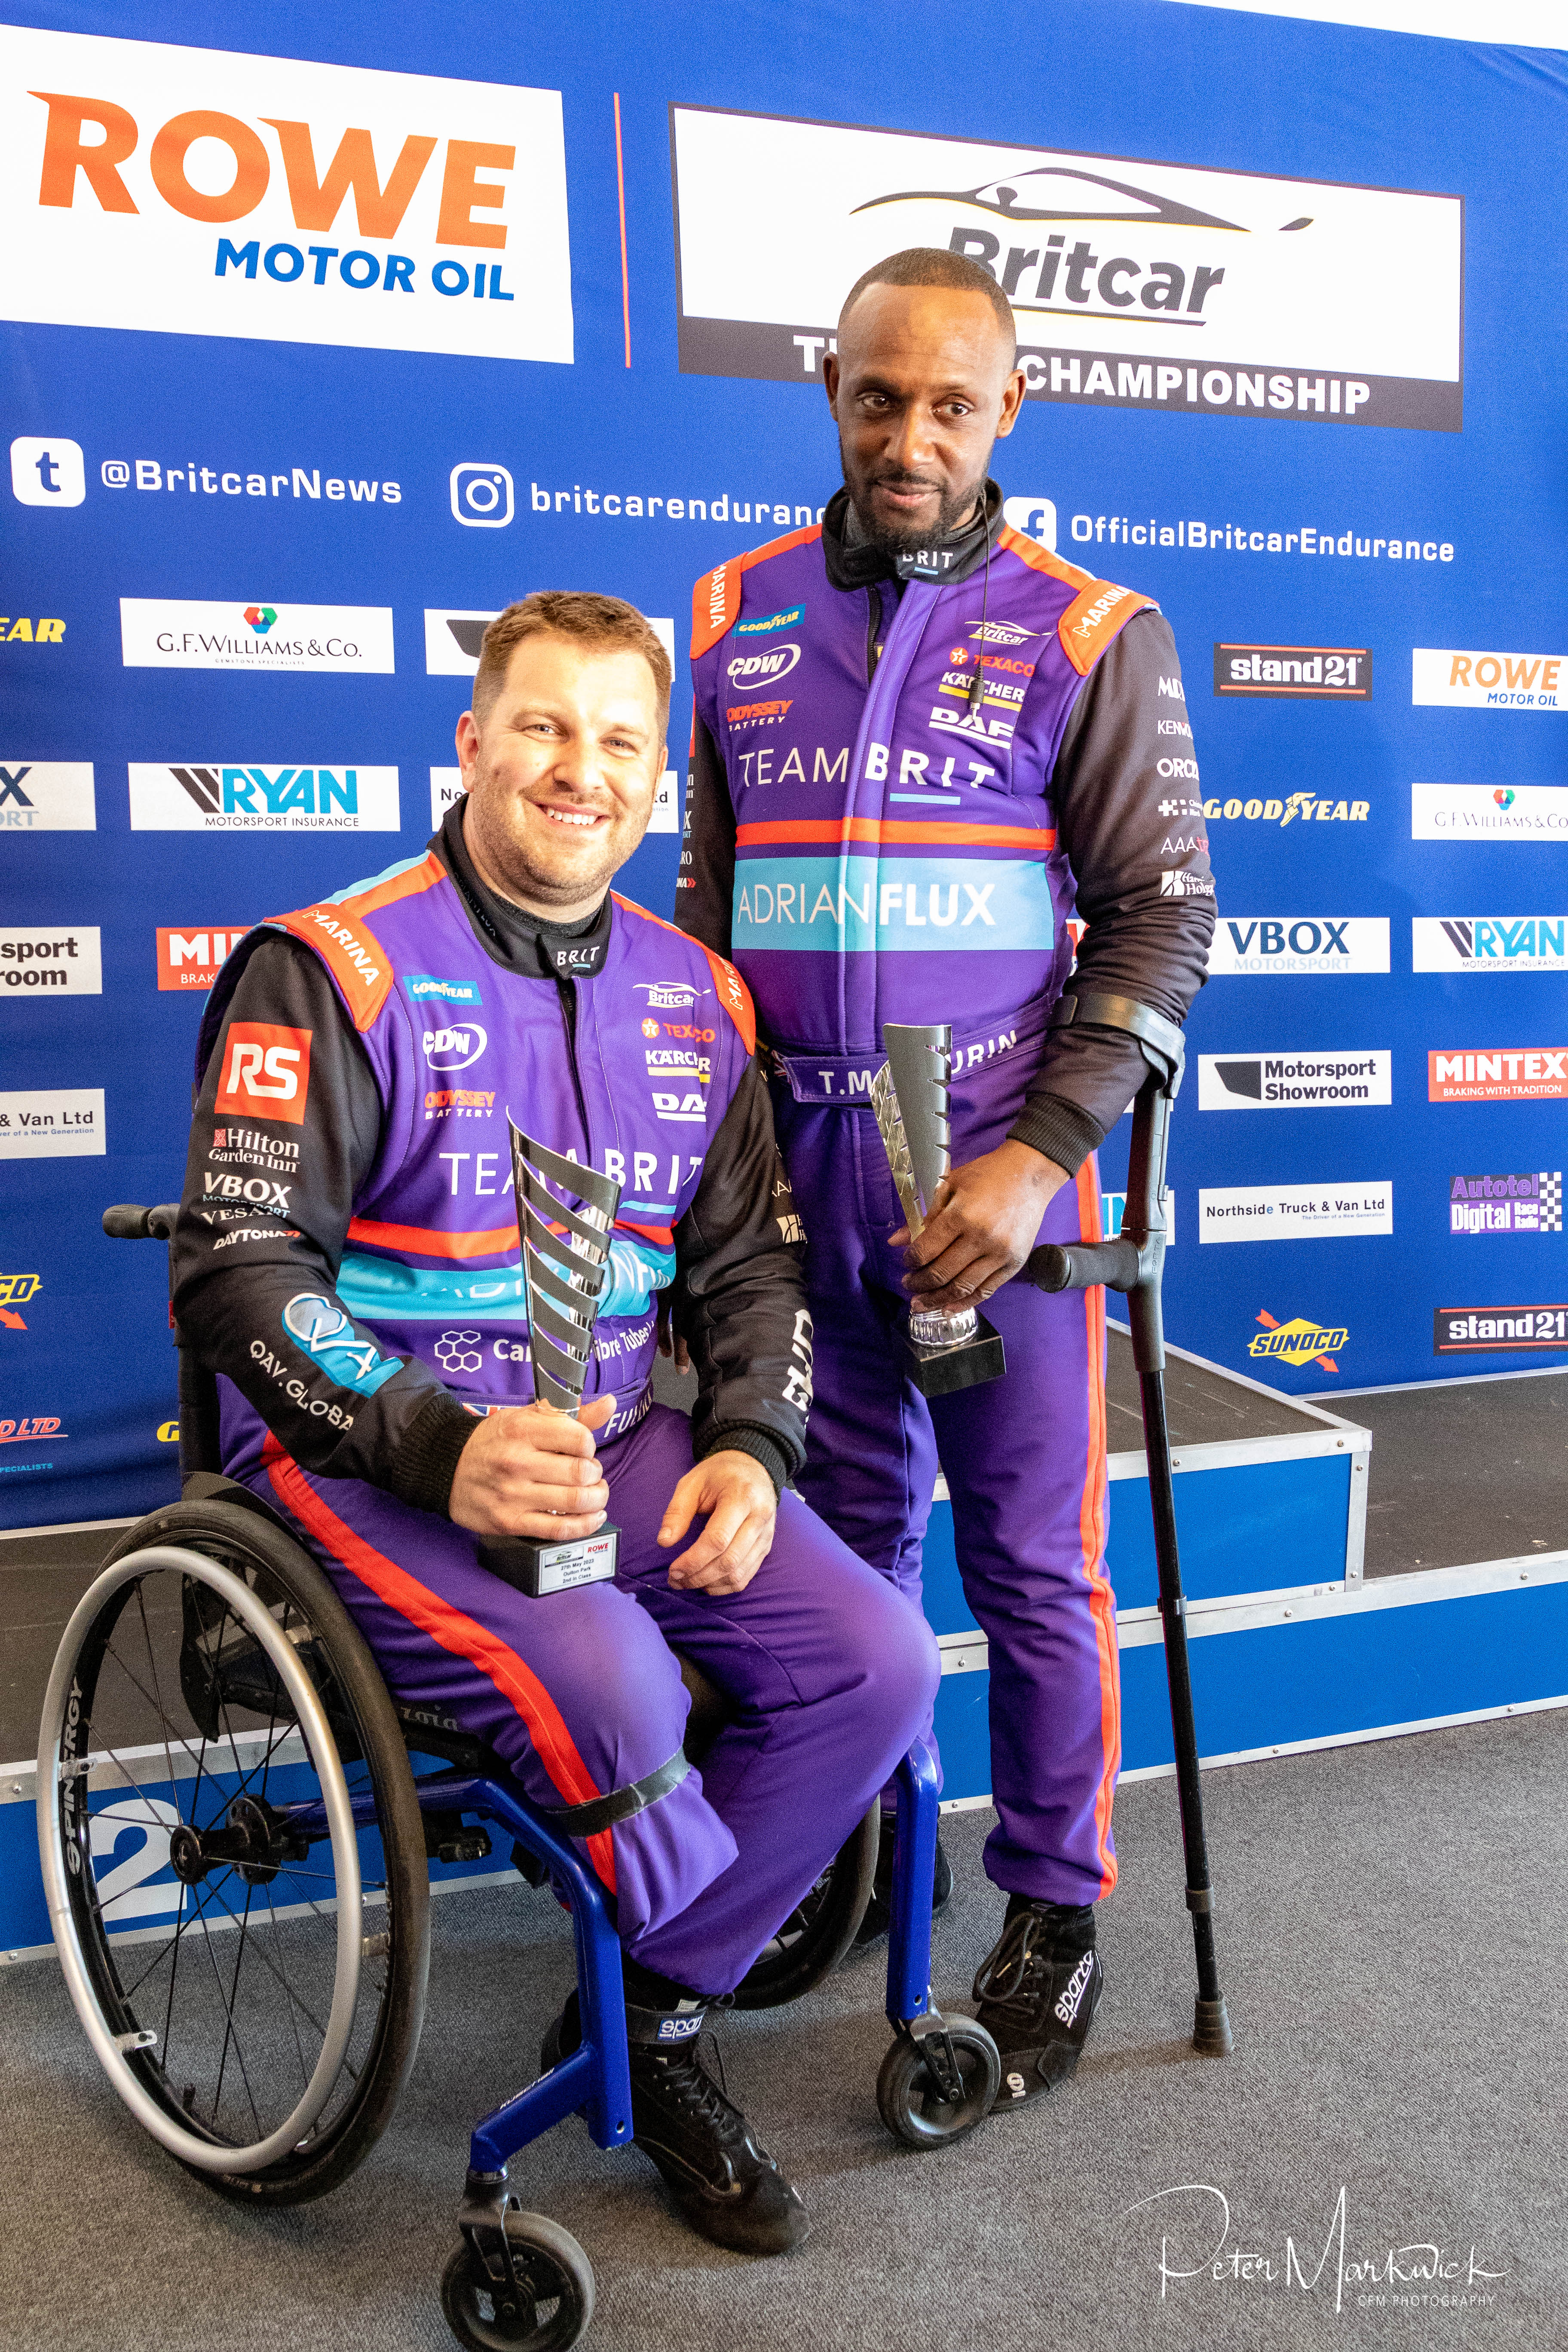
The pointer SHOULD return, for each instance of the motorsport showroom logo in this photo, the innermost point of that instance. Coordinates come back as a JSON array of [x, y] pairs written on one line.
[[49, 471], [1355, 1081], [206, 192], [47, 796], [35, 964], [1488, 943], [1498, 1074], [214, 797], [1259, 945], [57, 1123], [1535, 812], [1294, 1212], [1507, 1204], [160, 633], [1486, 681]]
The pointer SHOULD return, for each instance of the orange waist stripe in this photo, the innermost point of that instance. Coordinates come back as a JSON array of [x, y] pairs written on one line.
[[1038, 839]]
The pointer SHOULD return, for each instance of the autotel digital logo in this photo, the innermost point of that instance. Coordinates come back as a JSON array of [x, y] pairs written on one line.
[[455, 1048], [261, 617], [748, 673]]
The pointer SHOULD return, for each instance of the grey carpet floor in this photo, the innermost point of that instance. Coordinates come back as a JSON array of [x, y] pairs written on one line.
[[1391, 1927], [1467, 1471]]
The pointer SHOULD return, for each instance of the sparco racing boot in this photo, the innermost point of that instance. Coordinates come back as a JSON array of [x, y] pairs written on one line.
[[1039, 1989], [725, 2184]]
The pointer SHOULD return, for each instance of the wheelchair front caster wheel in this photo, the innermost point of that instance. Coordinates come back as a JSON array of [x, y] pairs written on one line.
[[934, 2089], [549, 2305]]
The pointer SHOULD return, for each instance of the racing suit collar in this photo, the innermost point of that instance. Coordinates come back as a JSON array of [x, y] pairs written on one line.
[[853, 562], [509, 935]]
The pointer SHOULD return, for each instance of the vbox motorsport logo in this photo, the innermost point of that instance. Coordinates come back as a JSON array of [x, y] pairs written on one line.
[[1252, 946], [204, 191]]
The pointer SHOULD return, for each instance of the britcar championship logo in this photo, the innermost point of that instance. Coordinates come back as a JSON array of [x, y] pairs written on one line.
[[1134, 284]]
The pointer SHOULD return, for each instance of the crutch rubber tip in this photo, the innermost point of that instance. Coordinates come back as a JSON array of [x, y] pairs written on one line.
[[1211, 2030]]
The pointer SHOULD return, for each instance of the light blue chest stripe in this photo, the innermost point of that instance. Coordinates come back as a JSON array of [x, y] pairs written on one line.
[[842, 905], [379, 1288]]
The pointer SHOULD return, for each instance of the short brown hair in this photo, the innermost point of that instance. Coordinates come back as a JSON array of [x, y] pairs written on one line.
[[931, 264], [587, 619]]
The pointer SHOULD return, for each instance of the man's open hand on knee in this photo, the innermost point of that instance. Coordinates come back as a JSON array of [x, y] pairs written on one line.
[[738, 1495], [528, 1471]]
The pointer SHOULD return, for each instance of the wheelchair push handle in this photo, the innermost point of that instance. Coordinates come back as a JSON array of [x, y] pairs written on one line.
[[128, 1221]]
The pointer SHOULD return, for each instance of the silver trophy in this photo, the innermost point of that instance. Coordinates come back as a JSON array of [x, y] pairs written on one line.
[[910, 1096], [565, 1253]]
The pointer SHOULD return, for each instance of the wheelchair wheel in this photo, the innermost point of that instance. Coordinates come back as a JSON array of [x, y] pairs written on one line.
[[552, 2305], [248, 1957], [912, 2102], [822, 1926]]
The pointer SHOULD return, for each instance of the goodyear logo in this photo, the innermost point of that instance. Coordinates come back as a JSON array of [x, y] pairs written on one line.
[[168, 1433], [759, 628], [1299, 1342]]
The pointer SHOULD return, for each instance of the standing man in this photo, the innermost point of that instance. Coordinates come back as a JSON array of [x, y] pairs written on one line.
[[920, 743]]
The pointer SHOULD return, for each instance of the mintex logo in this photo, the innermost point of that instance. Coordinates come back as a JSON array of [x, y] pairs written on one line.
[[1500, 1074], [1488, 943], [188, 960], [210, 796], [1299, 1342], [204, 191], [1483, 681], [1332, 673], [1354, 1081], [266, 1072]]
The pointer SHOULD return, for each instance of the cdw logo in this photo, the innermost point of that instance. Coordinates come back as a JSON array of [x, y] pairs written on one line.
[[266, 1072]]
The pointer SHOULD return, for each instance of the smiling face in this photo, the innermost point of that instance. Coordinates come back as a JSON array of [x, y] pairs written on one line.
[[561, 774], [922, 386]]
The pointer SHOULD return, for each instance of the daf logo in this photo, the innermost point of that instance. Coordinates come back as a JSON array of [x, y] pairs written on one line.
[[748, 673], [455, 1048]]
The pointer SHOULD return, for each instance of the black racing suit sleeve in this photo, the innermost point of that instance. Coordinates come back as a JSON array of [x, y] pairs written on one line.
[[238, 1260], [1137, 845], [705, 885], [739, 1293]]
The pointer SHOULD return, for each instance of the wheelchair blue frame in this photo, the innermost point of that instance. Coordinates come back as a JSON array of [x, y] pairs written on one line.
[[595, 2080]]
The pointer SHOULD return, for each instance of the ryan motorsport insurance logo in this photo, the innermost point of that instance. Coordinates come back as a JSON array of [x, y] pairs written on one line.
[[206, 192], [1134, 284]]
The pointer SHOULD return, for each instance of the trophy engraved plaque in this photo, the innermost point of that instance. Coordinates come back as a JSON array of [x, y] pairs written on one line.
[[909, 1097], [565, 1253]]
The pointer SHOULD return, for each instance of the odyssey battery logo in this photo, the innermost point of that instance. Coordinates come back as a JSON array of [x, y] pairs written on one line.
[[261, 617]]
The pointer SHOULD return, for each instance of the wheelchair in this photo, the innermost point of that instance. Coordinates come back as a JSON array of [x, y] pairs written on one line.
[[252, 1974]]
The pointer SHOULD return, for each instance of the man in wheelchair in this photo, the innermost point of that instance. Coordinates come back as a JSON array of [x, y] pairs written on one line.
[[357, 1291]]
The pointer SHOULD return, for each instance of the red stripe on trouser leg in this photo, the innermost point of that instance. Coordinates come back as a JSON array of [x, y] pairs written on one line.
[[1091, 1533], [461, 1635]]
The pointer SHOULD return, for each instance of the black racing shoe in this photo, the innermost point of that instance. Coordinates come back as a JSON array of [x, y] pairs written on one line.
[[878, 1911], [1039, 1988], [726, 2185]]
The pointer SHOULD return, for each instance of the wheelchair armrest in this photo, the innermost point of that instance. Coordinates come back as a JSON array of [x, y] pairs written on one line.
[[711, 1710]]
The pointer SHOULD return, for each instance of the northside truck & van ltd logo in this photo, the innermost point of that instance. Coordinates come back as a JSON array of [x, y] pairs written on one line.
[[1299, 1342], [206, 192], [1134, 284]]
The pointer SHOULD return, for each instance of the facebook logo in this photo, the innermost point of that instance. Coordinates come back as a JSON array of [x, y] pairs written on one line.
[[48, 472], [1035, 518]]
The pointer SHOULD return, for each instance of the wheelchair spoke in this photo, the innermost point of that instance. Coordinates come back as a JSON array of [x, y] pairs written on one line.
[[230, 2033], [293, 2015], [243, 1924]]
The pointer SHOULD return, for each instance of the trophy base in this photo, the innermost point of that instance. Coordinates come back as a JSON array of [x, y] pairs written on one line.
[[542, 1569], [942, 1370]]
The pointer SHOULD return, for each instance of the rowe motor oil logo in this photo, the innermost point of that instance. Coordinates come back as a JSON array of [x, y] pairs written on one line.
[[1134, 284], [204, 191]]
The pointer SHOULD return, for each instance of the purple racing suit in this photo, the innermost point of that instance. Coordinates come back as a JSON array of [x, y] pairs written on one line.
[[874, 836], [346, 1260]]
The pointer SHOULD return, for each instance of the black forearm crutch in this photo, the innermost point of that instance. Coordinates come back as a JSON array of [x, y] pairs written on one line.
[[1134, 1264]]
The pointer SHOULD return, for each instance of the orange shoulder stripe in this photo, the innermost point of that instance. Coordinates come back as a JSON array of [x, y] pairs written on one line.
[[352, 953], [1040, 559], [1099, 613], [716, 598], [733, 993], [408, 885]]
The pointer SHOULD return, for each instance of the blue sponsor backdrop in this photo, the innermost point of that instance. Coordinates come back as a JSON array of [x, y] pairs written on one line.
[[84, 1347]]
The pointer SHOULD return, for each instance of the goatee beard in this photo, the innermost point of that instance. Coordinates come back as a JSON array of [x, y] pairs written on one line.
[[956, 511]]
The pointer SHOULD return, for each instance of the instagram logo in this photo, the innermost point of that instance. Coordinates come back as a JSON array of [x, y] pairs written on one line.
[[481, 496]]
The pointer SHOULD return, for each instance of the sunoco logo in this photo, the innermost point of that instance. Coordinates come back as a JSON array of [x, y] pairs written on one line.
[[748, 672], [1299, 1342]]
